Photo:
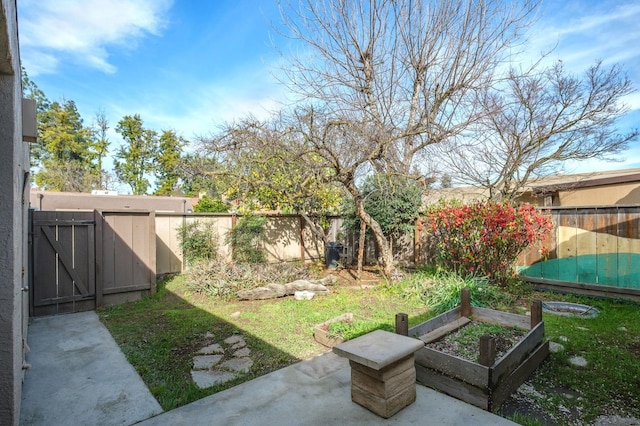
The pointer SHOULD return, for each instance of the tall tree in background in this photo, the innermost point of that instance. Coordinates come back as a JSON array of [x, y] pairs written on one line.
[[168, 158], [101, 144], [134, 160], [67, 154], [382, 80], [537, 120]]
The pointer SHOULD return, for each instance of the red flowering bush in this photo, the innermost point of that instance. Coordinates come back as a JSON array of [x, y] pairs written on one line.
[[484, 238]]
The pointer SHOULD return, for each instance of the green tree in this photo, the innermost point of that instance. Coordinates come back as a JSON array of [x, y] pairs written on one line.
[[393, 201], [101, 144], [208, 204], [67, 153], [167, 162], [134, 159]]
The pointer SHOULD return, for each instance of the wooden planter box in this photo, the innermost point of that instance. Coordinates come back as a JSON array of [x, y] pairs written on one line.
[[321, 331], [486, 386]]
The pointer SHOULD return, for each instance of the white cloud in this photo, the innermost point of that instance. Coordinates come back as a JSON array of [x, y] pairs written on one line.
[[83, 30]]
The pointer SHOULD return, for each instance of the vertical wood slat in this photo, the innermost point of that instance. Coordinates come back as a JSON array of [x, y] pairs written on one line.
[[607, 246], [586, 245], [99, 258]]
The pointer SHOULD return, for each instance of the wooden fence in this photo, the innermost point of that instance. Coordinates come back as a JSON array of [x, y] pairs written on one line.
[[594, 249], [288, 238], [81, 260]]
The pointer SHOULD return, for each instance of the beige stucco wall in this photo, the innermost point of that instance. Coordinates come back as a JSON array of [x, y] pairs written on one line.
[[13, 219], [607, 195]]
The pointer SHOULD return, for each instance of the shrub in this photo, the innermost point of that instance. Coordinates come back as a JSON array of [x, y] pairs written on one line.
[[246, 238], [198, 241], [484, 238], [221, 279], [440, 291], [207, 204]]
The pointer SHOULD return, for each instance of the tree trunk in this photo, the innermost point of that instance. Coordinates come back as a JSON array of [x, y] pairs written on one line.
[[385, 249], [361, 243]]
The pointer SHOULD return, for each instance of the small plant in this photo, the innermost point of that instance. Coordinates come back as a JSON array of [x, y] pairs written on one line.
[[441, 290], [198, 241], [246, 238]]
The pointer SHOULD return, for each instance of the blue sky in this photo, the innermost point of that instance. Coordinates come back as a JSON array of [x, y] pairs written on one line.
[[191, 65]]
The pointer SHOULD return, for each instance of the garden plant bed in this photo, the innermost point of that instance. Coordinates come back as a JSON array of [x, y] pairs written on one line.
[[322, 334], [463, 343], [490, 380]]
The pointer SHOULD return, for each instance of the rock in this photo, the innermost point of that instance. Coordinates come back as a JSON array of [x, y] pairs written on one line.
[[239, 365], [209, 335], [239, 345], [206, 379], [304, 295], [235, 314], [582, 328], [622, 328], [211, 349], [204, 362], [616, 421], [563, 339], [232, 340], [578, 361], [242, 352], [273, 291], [555, 347]]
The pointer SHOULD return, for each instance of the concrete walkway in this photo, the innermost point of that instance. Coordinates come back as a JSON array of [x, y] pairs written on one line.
[[80, 376]]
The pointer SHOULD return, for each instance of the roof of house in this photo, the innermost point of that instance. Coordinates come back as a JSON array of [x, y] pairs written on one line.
[[539, 186]]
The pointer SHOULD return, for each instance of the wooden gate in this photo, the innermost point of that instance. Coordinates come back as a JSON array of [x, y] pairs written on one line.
[[83, 260], [63, 262]]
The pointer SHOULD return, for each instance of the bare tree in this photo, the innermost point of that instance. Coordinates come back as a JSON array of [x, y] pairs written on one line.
[[537, 120], [382, 80]]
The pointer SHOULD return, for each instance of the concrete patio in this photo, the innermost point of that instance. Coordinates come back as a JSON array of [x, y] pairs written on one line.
[[79, 376]]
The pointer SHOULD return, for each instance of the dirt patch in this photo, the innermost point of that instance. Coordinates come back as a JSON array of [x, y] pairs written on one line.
[[349, 277], [464, 343]]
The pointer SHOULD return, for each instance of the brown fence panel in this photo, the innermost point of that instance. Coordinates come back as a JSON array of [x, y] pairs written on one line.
[[128, 248], [81, 260]]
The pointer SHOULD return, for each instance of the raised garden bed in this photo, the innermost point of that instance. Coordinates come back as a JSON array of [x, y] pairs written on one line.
[[488, 382], [324, 337]]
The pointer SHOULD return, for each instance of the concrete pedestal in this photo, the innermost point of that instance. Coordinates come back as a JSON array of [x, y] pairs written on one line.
[[383, 374]]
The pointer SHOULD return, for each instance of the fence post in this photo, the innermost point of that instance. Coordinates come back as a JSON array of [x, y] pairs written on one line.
[[487, 351], [465, 302], [402, 324], [536, 312]]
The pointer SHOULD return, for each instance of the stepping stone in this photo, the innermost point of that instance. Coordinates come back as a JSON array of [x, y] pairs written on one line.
[[205, 362], [578, 361], [206, 379], [236, 338], [555, 347], [240, 365], [211, 349], [242, 352], [239, 345]]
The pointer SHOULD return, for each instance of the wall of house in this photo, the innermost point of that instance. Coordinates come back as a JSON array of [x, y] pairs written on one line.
[[606, 195], [13, 219]]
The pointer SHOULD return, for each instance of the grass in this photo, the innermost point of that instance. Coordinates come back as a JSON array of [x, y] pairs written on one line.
[[160, 335], [610, 383]]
